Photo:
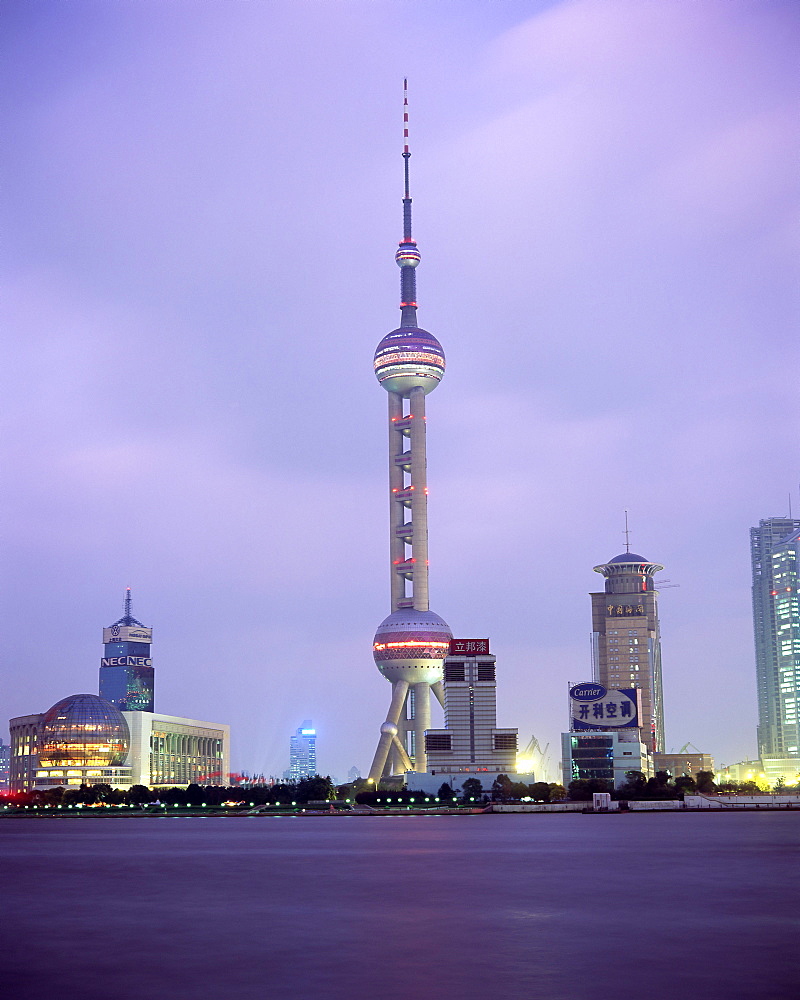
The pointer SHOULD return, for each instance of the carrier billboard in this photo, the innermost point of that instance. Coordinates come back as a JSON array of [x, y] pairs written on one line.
[[593, 706]]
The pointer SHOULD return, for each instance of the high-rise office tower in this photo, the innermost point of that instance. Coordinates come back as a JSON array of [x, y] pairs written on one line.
[[626, 637], [774, 549], [126, 669], [470, 742], [303, 752], [411, 644]]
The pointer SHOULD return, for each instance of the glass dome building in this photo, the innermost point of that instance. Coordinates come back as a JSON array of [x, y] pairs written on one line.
[[84, 739]]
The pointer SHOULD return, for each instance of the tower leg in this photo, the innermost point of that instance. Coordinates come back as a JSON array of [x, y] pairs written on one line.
[[438, 690], [402, 756], [388, 730], [422, 721], [392, 762]]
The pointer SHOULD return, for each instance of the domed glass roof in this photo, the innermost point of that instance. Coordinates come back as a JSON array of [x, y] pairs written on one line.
[[628, 557], [84, 731]]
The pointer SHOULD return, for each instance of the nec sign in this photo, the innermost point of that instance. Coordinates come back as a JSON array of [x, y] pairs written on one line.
[[126, 661]]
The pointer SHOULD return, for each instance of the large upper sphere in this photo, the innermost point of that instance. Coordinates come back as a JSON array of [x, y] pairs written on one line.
[[411, 646], [84, 730], [409, 358]]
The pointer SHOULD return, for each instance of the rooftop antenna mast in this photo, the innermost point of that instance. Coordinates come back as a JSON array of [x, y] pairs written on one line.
[[127, 605], [627, 534]]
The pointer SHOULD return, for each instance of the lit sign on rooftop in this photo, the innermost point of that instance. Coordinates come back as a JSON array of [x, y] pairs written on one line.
[[592, 706], [469, 647]]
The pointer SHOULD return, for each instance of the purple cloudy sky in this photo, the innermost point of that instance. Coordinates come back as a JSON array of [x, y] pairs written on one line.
[[202, 202]]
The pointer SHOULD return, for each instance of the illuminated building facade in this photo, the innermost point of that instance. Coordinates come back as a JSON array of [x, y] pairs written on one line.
[[470, 742], [775, 551], [303, 752], [604, 754], [170, 750], [126, 669], [411, 644], [626, 638], [83, 740], [24, 731]]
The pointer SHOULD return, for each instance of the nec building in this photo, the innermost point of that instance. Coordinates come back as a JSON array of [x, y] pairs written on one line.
[[126, 669]]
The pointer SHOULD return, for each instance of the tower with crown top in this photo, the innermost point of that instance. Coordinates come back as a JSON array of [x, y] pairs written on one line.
[[626, 637]]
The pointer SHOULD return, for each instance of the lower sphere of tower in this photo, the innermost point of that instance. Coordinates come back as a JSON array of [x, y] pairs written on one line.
[[409, 358], [411, 646]]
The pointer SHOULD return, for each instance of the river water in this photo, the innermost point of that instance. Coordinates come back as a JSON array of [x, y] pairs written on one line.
[[558, 907]]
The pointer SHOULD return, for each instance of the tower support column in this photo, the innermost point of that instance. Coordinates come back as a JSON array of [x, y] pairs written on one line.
[[422, 721], [396, 515], [419, 500]]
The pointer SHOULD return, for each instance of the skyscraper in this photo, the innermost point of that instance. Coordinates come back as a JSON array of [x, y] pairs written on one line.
[[412, 642], [774, 549], [126, 669], [626, 638], [303, 752], [470, 743]]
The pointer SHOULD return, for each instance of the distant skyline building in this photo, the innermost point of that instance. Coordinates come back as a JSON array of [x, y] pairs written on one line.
[[303, 752], [5, 766], [127, 678], [774, 549], [411, 644], [626, 638]]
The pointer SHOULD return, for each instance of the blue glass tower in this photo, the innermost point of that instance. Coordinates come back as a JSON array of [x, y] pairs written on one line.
[[126, 669]]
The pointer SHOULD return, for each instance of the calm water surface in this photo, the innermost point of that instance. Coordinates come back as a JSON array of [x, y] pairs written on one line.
[[562, 907]]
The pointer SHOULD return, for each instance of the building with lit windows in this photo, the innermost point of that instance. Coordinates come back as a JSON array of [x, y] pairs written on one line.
[[303, 753], [626, 638], [680, 764], [774, 552], [126, 669], [24, 731], [167, 750], [608, 755]]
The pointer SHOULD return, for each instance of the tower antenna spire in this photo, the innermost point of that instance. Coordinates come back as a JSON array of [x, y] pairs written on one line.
[[627, 534], [407, 255], [127, 604], [406, 151]]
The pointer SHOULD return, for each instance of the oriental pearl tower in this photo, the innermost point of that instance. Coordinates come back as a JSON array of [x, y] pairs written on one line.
[[412, 642]]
